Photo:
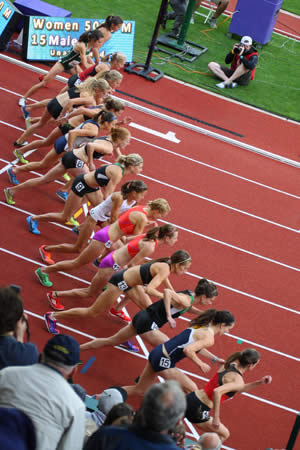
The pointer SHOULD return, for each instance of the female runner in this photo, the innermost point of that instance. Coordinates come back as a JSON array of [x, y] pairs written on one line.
[[89, 93], [105, 213], [77, 55], [151, 274], [132, 254], [116, 62], [86, 131], [89, 184], [200, 335], [74, 162], [132, 222], [109, 26], [75, 118], [222, 386], [149, 321], [113, 78]]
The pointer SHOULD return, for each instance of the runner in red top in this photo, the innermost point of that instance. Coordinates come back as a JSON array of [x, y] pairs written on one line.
[[222, 386]]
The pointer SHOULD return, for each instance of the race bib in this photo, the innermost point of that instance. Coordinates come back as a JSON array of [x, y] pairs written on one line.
[[165, 363], [116, 267], [79, 164], [108, 244], [79, 186], [154, 326], [122, 285]]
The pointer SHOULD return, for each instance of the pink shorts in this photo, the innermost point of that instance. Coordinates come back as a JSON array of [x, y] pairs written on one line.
[[102, 236], [109, 263]]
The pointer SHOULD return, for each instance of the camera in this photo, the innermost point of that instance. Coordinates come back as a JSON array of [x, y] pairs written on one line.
[[237, 50]]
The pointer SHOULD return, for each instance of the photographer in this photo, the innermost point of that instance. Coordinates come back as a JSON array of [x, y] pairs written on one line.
[[243, 58], [13, 326]]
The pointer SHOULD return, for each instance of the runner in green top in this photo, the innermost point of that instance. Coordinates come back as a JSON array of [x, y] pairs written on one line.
[[78, 54]]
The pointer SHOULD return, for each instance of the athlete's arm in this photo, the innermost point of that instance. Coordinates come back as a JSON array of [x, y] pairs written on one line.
[[115, 176], [191, 350], [146, 250], [117, 201], [267, 379], [161, 272], [236, 384], [167, 298]]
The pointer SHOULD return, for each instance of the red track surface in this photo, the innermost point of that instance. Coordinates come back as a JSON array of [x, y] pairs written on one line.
[[241, 234]]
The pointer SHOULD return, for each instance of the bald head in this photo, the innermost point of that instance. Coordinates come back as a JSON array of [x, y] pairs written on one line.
[[210, 441]]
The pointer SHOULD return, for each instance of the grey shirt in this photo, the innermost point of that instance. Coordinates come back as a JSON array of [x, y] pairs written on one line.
[[47, 398]]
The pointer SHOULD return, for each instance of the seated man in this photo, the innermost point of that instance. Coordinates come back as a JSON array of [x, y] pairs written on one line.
[[163, 406], [243, 58], [13, 327], [222, 5]]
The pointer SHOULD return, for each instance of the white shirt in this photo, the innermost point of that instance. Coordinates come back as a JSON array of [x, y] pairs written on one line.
[[42, 393]]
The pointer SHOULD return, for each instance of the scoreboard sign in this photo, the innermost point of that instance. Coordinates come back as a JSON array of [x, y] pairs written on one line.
[[9, 20], [49, 38]]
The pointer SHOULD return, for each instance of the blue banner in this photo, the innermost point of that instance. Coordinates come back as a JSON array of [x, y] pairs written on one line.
[[49, 38]]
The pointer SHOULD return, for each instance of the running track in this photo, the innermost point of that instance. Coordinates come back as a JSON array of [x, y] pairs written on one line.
[[237, 213]]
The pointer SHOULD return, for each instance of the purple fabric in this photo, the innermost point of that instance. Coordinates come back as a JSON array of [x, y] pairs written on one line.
[[102, 235], [107, 262]]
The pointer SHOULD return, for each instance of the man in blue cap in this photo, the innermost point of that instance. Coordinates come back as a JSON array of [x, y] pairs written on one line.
[[43, 393]]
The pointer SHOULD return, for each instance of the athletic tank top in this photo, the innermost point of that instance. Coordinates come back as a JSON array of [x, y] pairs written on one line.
[[100, 174], [124, 222], [89, 72], [175, 346], [73, 58], [73, 92], [158, 314], [216, 381], [103, 210]]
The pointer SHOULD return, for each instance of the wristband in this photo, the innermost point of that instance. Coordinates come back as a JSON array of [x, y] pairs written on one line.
[[214, 360]]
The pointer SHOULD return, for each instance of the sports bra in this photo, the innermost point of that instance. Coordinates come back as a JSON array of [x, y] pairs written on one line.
[[90, 72], [96, 154], [216, 381], [133, 246], [74, 93], [124, 222], [145, 271], [100, 174]]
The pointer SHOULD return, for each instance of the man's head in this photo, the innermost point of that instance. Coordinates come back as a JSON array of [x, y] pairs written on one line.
[[11, 309], [111, 397], [247, 42], [62, 351], [163, 405], [210, 441]]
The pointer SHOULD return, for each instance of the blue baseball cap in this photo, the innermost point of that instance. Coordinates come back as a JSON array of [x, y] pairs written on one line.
[[64, 349]]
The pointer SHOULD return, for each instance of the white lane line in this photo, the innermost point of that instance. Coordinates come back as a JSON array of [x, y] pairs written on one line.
[[223, 205], [248, 180], [179, 122], [191, 274], [169, 136], [32, 261], [74, 330], [237, 291]]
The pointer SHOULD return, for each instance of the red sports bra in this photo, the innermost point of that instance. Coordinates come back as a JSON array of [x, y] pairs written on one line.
[[133, 246], [124, 222]]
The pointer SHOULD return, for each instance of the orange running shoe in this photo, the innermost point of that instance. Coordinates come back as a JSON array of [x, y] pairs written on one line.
[[46, 256]]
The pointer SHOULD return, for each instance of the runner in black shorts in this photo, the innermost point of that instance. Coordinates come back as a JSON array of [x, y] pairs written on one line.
[[156, 274], [148, 321]]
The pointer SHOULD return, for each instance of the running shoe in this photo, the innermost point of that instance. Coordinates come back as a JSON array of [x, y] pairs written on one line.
[[33, 225], [20, 156], [231, 85], [221, 85], [12, 176], [62, 195], [46, 256], [22, 101], [9, 197], [67, 177], [16, 144], [51, 323], [130, 346], [41, 77], [25, 113], [54, 301], [43, 278], [73, 221], [119, 315], [28, 123], [192, 21], [76, 230]]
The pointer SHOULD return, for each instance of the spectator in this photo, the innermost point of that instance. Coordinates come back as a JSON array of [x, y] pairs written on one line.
[[120, 414], [222, 5], [43, 393], [210, 441], [243, 58], [13, 326], [107, 399], [16, 430], [163, 406]]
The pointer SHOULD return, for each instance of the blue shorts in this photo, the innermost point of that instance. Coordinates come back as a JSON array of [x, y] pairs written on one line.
[[159, 361], [61, 145]]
